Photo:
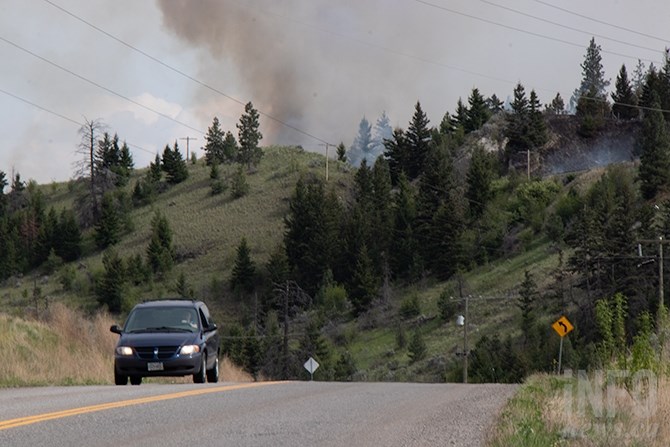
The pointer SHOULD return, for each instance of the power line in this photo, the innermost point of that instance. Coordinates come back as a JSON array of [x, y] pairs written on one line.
[[102, 87], [602, 22], [66, 118], [44, 109], [600, 36], [181, 73], [520, 30]]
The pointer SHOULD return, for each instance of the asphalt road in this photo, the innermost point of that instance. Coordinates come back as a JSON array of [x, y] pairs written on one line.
[[255, 414]]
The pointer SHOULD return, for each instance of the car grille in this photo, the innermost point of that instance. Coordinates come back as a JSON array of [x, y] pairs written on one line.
[[164, 352]]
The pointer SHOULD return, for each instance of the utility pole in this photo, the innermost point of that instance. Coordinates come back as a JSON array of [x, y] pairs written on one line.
[[326, 144], [465, 342], [465, 329], [661, 293], [188, 140], [528, 164], [464, 320], [660, 273]]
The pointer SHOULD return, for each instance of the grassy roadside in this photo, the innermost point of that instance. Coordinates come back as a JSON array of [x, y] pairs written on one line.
[[66, 347], [585, 411]]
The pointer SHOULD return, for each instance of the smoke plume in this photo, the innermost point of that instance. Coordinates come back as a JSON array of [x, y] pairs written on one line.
[[300, 62]]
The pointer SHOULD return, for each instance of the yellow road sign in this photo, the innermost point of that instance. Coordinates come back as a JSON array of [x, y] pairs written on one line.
[[563, 326]]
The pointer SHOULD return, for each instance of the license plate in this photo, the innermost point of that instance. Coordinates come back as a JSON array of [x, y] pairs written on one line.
[[155, 366]]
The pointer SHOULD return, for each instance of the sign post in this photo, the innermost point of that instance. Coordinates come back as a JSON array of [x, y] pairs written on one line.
[[563, 327], [311, 365]]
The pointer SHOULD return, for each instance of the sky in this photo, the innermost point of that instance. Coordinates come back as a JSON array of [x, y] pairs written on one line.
[[156, 72]]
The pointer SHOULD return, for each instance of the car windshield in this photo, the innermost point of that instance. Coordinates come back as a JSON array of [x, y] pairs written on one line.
[[162, 319]]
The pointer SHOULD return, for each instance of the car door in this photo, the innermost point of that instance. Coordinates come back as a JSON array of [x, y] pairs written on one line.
[[211, 336]]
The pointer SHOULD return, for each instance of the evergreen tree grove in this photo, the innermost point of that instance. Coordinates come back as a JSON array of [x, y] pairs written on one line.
[[654, 142]]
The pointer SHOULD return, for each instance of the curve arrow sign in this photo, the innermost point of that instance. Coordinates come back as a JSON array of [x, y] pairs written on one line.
[[562, 326]]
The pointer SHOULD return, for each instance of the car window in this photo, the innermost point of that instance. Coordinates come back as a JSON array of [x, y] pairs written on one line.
[[203, 319], [149, 319]]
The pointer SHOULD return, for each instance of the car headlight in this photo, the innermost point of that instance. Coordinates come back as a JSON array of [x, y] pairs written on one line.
[[124, 350], [189, 349]]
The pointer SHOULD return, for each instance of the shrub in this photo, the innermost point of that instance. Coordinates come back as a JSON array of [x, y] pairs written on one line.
[[410, 307], [417, 347], [447, 306]]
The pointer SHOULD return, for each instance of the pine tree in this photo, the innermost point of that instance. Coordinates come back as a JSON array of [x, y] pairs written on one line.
[[404, 244], [382, 219], [341, 152], [155, 172], [244, 271], [3, 197], [382, 131], [160, 252], [277, 266], [182, 288], [652, 85], [214, 150], [638, 80], [528, 296], [537, 126], [68, 246], [108, 228], [593, 74], [591, 111], [418, 142], [364, 283], [518, 121], [624, 98], [48, 235], [494, 104], [238, 184], [460, 118], [654, 143], [435, 189], [478, 178], [361, 148], [345, 368], [397, 153], [417, 349], [249, 136], [174, 165], [311, 233], [445, 254], [557, 106], [109, 288], [478, 113], [230, 148]]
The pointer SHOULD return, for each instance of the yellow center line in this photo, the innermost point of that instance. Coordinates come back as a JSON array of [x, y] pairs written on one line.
[[27, 420]]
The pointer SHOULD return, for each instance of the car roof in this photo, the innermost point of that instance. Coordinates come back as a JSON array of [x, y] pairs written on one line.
[[169, 303]]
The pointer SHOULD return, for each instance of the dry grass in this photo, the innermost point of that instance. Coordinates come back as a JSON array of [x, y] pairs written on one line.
[[65, 348], [620, 418], [555, 411], [68, 348]]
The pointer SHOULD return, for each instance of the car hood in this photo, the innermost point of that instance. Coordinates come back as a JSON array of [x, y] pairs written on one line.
[[143, 339]]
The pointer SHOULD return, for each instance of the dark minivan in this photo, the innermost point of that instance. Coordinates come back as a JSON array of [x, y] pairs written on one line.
[[167, 338]]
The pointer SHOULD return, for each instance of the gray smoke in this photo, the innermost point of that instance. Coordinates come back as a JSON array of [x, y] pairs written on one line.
[[306, 63]]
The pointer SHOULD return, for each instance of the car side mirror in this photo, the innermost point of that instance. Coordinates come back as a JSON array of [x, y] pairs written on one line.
[[116, 329], [211, 327]]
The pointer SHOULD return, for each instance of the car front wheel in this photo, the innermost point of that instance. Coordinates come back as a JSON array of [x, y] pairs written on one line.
[[120, 379], [200, 376], [213, 374]]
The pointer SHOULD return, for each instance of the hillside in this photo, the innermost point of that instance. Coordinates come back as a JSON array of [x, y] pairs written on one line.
[[207, 229]]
